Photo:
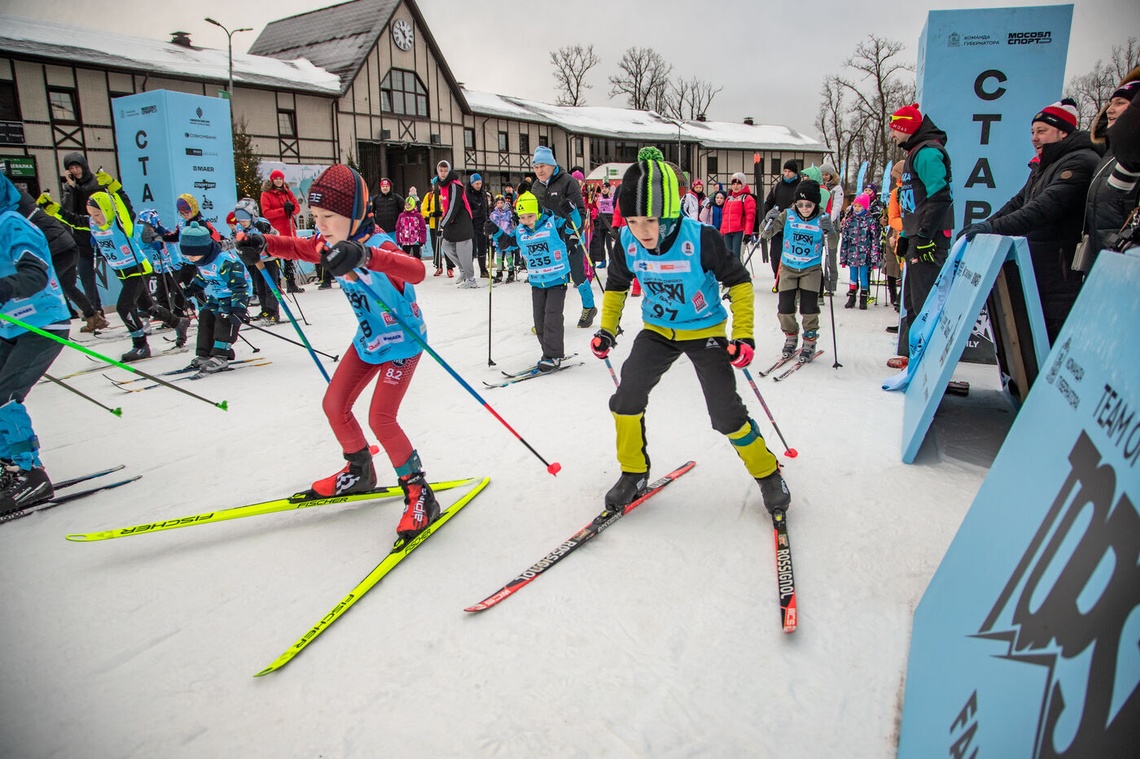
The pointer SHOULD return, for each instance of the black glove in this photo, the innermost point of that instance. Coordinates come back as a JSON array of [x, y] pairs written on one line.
[[902, 245], [249, 246], [924, 249], [343, 257], [971, 231], [289, 208], [490, 228], [241, 316], [602, 343]]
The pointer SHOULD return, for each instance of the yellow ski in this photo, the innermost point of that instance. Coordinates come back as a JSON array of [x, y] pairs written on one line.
[[394, 557]]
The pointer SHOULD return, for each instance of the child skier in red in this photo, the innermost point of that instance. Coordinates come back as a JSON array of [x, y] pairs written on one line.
[[349, 246]]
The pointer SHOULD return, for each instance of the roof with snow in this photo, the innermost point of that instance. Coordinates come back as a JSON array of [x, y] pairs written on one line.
[[625, 123], [339, 38], [76, 45]]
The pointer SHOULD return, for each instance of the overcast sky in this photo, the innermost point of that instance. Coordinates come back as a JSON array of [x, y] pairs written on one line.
[[771, 58]]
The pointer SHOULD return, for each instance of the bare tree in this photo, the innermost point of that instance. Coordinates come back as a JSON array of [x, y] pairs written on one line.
[[882, 87], [643, 78], [1092, 89], [701, 95], [571, 64], [833, 120]]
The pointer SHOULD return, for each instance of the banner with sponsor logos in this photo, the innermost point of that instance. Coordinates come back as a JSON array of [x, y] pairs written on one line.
[[1025, 643], [982, 75], [171, 143]]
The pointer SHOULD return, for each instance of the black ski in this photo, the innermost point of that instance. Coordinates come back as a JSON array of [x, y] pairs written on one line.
[[533, 373], [587, 533], [62, 499], [786, 581]]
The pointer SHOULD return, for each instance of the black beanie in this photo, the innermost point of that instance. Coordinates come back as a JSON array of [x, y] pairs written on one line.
[[792, 165], [808, 189]]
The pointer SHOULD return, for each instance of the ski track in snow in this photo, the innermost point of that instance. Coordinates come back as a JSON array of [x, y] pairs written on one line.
[[660, 638]]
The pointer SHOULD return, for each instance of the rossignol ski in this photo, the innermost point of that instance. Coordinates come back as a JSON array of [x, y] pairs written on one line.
[[587, 533], [303, 500], [398, 553], [785, 579]]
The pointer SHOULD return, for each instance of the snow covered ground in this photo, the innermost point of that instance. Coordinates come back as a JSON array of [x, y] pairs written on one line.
[[659, 639]]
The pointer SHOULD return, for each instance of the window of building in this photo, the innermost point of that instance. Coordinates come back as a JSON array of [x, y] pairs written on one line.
[[524, 144], [504, 142], [578, 148], [468, 138], [9, 102], [775, 166], [287, 123], [403, 94], [713, 164], [63, 106], [544, 140]]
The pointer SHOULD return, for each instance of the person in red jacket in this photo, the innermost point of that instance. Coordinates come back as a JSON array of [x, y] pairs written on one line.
[[739, 217], [279, 206]]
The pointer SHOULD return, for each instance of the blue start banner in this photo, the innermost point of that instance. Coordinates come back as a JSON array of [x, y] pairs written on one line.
[[172, 143], [1026, 644], [982, 75]]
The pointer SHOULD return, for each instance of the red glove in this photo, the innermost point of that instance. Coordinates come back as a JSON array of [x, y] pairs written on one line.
[[602, 343], [740, 352]]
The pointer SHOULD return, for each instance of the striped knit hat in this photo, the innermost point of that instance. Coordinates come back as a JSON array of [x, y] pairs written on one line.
[[343, 191], [1062, 115], [649, 188]]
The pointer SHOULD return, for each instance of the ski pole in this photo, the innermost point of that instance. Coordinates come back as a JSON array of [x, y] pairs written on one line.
[[490, 289], [116, 411], [247, 342], [789, 452], [613, 375], [223, 405], [834, 343], [297, 303], [553, 469], [289, 313], [291, 342]]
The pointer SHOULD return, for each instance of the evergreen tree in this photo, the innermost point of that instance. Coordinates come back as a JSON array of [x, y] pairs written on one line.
[[245, 163]]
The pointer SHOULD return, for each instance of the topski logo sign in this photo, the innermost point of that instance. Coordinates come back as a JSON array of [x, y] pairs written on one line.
[[1070, 608]]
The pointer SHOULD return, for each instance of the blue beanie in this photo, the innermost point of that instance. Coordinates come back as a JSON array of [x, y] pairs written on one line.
[[544, 155], [195, 240], [476, 178]]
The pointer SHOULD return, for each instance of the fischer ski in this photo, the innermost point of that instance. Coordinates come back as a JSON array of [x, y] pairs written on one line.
[[302, 500], [54, 501], [398, 553], [587, 533], [787, 373], [785, 579]]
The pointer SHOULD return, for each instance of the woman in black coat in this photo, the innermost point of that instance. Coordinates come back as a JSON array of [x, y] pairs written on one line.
[[387, 206]]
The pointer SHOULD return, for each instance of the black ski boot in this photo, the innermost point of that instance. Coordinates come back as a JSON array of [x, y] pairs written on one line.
[[420, 506], [587, 317], [775, 492], [851, 295], [358, 477], [863, 300], [629, 487], [22, 488], [138, 351], [180, 330]]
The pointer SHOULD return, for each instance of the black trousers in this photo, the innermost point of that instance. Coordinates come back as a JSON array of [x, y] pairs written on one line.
[[23, 360], [775, 251], [261, 288], [66, 267], [548, 304], [917, 282], [86, 267], [214, 329], [652, 355], [135, 295]]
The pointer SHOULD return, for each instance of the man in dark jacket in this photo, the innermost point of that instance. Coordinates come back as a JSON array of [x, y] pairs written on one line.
[[561, 194], [64, 257], [79, 184], [927, 212], [387, 206], [1049, 209], [480, 212], [780, 197], [456, 231]]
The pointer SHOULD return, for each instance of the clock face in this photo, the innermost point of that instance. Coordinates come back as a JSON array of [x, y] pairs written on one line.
[[403, 35]]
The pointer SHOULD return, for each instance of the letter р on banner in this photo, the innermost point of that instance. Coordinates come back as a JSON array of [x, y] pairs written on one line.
[[982, 75], [1024, 644]]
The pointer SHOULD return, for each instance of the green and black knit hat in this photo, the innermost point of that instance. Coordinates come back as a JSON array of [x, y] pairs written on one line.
[[650, 187]]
